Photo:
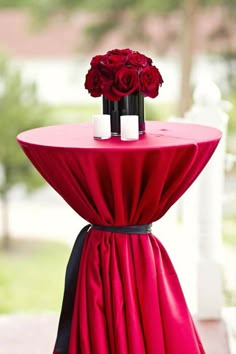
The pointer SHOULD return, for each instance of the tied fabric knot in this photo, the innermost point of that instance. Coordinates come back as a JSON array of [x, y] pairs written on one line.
[[72, 270]]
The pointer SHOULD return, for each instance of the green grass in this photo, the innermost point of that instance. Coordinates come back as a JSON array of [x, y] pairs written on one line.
[[63, 114], [60, 114], [159, 111], [229, 231], [32, 273], [32, 276], [232, 114]]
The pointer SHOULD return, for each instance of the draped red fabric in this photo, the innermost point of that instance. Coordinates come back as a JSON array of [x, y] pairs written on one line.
[[128, 297]]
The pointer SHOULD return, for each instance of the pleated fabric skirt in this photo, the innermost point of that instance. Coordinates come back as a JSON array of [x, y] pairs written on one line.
[[129, 300]]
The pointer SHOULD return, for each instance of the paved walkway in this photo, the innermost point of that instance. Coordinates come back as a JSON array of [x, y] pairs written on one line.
[[35, 334]]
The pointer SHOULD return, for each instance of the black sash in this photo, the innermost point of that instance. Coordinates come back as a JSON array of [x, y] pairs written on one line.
[[72, 270]]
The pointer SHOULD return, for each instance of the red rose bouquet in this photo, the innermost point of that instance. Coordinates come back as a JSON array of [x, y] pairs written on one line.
[[122, 72]]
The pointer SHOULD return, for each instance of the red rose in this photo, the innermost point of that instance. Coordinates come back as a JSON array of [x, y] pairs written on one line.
[[115, 59], [106, 73], [114, 62], [94, 83], [96, 60], [120, 52], [122, 72], [126, 82], [150, 80], [109, 93], [139, 60]]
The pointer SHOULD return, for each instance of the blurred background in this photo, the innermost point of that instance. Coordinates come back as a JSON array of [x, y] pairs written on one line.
[[45, 51]]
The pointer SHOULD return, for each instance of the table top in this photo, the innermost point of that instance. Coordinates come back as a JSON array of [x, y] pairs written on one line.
[[107, 182], [80, 136]]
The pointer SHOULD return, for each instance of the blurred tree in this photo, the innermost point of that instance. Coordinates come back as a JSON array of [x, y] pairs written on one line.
[[112, 14], [19, 110], [15, 3]]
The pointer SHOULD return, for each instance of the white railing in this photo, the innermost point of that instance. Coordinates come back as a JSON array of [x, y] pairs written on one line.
[[203, 204]]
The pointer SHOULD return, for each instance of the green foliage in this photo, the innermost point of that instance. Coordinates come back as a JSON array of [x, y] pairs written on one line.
[[43, 4], [32, 276], [96, 30], [52, 6], [42, 10], [15, 3], [19, 110]]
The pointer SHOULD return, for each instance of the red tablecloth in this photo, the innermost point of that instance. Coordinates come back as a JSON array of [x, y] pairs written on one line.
[[128, 298]]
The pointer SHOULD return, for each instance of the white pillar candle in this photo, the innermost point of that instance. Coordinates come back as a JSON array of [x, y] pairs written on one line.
[[129, 127], [101, 126]]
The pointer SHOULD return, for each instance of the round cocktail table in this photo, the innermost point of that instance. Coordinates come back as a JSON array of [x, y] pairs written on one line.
[[122, 294]]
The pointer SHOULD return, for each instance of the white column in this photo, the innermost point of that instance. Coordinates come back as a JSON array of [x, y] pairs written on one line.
[[207, 198]]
